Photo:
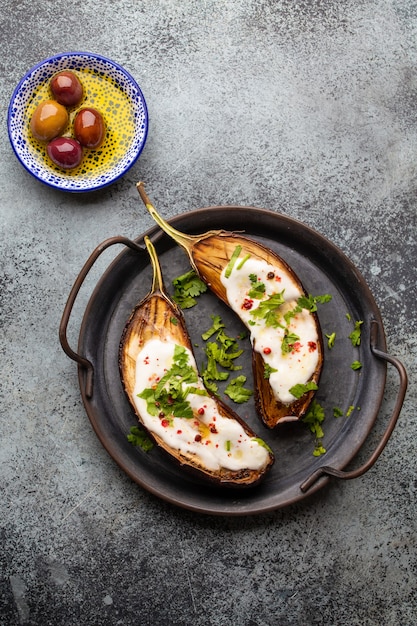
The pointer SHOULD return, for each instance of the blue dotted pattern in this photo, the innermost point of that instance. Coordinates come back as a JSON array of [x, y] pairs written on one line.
[[18, 126]]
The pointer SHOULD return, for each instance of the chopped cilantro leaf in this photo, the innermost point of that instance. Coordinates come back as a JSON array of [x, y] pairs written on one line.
[[186, 288], [228, 343], [337, 412], [310, 302], [138, 437], [269, 310], [330, 340], [169, 397], [301, 388], [268, 370], [327, 297], [319, 450], [288, 342], [236, 390], [306, 302], [217, 325], [314, 419], [356, 365], [349, 411], [290, 314], [258, 291], [211, 371], [219, 354], [355, 335], [209, 383]]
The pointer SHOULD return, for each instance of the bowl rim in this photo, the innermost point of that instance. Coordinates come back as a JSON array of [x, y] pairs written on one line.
[[86, 54]]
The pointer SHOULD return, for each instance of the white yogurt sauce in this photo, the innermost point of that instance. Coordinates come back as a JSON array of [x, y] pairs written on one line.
[[217, 442], [296, 366]]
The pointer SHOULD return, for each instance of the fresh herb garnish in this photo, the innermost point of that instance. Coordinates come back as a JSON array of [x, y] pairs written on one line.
[[330, 340], [169, 397], [306, 302], [257, 291], [356, 365], [288, 342], [268, 370], [301, 388], [232, 261], [355, 335], [349, 411], [209, 383], [337, 412], [139, 438], [236, 390], [310, 302], [243, 261], [187, 288], [214, 328], [221, 352], [314, 419], [262, 443], [268, 310], [319, 449], [211, 373]]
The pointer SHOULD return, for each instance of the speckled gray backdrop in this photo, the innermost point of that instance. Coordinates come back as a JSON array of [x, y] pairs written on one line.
[[307, 108]]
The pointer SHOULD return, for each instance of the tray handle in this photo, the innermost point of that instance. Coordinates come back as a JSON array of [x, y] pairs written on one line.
[[330, 471], [82, 361]]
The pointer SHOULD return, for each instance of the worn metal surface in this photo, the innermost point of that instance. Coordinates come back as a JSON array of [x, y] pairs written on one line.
[[305, 108]]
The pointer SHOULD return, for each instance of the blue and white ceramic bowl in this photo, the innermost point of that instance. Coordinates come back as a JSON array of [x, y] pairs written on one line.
[[99, 174]]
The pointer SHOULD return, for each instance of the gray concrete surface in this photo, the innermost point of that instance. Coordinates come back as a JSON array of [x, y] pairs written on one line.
[[307, 108]]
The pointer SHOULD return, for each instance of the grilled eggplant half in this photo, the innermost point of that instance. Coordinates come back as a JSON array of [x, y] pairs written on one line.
[[268, 296], [161, 380]]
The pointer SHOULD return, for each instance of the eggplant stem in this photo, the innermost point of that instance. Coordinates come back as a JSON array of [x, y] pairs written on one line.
[[186, 241], [157, 280]]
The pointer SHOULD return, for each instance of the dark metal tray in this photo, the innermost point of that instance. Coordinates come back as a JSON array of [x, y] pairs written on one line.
[[322, 268]]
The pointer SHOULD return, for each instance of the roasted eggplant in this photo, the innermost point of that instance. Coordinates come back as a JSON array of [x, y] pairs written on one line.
[[160, 377], [268, 296]]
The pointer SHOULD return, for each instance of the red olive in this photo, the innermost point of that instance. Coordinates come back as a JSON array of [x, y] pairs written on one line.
[[66, 88], [89, 128], [65, 152]]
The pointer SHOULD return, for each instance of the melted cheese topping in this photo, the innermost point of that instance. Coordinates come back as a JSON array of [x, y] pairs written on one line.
[[297, 365], [216, 441]]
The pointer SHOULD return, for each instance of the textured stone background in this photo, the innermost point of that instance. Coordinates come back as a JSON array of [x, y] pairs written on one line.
[[307, 108]]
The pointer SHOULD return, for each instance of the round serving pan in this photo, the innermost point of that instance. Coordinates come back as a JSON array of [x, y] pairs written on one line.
[[323, 269]]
